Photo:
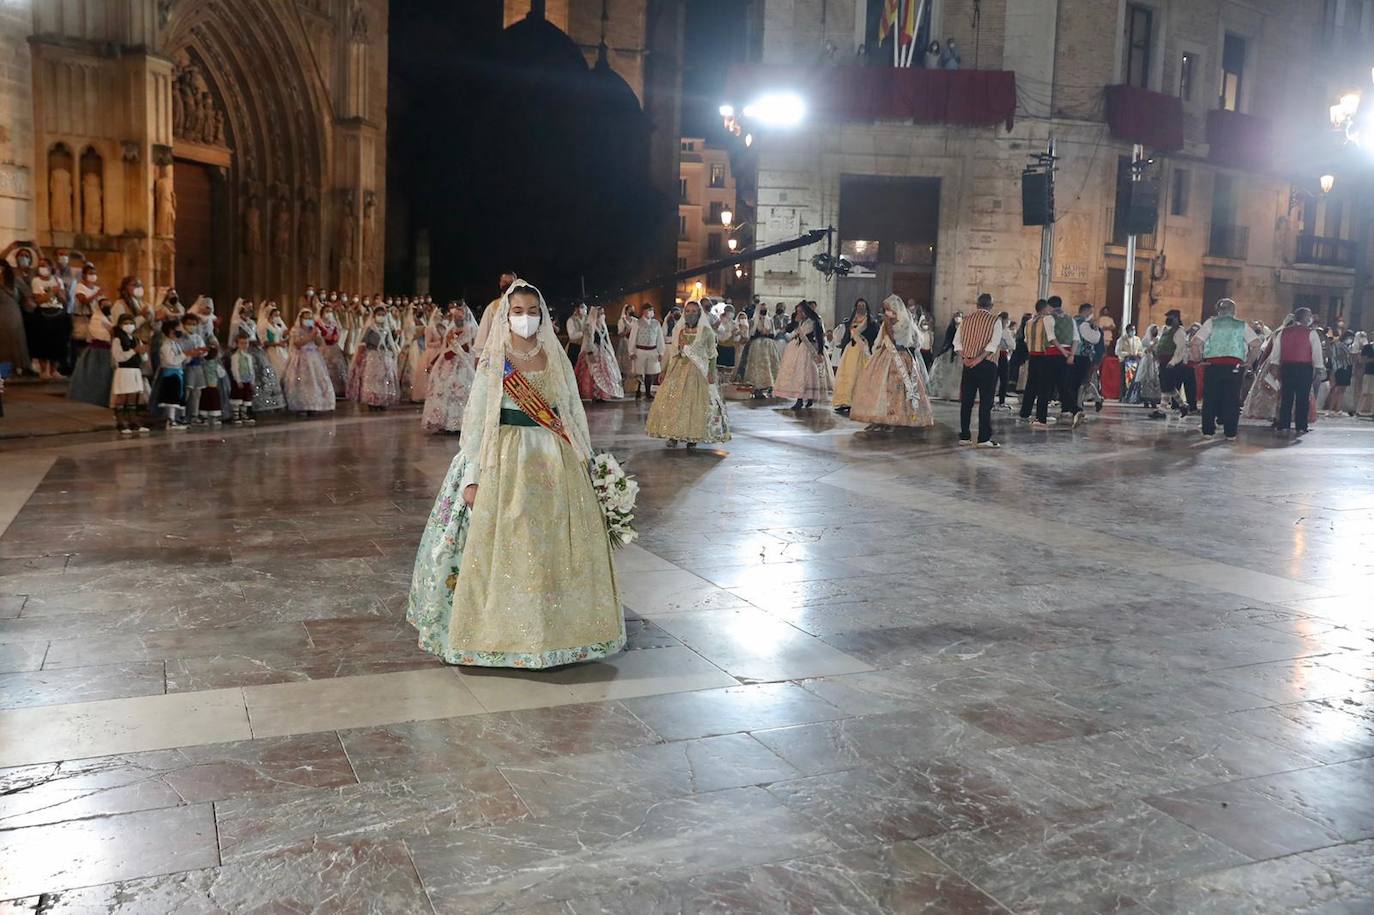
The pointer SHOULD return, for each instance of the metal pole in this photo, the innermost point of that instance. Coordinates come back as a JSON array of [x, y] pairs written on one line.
[[1042, 289], [1128, 295]]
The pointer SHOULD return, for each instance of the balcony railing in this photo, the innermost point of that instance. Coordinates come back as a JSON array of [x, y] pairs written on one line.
[[1144, 241], [1326, 252], [1149, 118], [1232, 242]]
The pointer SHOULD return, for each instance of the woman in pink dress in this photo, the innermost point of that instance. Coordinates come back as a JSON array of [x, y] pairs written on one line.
[[332, 332], [306, 379], [598, 367], [451, 375]]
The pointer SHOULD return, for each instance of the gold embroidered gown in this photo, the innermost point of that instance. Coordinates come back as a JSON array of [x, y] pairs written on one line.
[[525, 578], [852, 362], [688, 407]]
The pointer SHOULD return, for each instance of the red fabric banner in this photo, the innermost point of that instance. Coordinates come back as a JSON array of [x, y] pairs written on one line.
[[1152, 119], [1243, 140], [975, 98]]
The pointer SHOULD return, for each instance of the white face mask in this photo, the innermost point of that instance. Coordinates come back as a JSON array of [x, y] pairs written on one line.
[[138, 292], [43, 272], [525, 325], [63, 260], [90, 279], [127, 328], [308, 323]]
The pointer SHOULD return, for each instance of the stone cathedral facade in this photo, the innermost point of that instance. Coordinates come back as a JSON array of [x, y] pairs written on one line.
[[227, 147]]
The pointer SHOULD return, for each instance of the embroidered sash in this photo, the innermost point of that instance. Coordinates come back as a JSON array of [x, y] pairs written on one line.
[[528, 399]]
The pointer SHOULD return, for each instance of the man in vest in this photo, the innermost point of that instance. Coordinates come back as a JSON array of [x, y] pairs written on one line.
[[1087, 338], [978, 339], [1175, 370], [1046, 363], [1226, 342], [1298, 356]]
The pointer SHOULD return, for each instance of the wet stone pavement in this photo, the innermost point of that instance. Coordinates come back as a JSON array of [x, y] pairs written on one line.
[[1112, 669]]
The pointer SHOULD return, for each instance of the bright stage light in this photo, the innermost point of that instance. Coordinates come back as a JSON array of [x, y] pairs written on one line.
[[777, 109]]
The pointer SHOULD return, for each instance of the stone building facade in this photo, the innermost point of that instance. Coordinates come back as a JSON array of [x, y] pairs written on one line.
[[227, 147], [1229, 99], [706, 188]]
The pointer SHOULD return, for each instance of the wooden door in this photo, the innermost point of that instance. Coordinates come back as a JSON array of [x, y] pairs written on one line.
[[195, 251]]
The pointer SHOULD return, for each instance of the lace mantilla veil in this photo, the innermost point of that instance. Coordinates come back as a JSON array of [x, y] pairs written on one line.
[[482, 418]]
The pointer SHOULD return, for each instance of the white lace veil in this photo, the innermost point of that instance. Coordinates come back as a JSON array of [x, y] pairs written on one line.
[[482, 419]]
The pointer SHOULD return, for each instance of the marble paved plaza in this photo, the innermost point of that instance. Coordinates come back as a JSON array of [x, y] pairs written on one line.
[[1111, 669]]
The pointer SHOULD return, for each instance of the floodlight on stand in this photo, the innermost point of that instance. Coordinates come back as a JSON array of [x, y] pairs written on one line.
[[1327, 182], [748, 139], [777, 109], [727, 111]]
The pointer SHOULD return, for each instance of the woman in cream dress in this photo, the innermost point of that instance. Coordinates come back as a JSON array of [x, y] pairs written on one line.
[[514, 566], [855, 350], [758, 366], [689, 407], [805, 374], [893, 389]]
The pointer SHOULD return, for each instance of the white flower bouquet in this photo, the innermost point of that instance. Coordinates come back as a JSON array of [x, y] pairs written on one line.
[[617, 491]]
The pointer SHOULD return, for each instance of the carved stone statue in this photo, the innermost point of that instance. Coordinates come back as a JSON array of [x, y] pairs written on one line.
[[219, 138], [347, 231], [358, 27], [252, 227], [164, 203], [281, 226], [369, 223], [92, 204], [60, 200], [309, 233], [195, 116]]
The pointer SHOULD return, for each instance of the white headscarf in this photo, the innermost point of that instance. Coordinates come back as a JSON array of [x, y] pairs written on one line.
[[482, 419]]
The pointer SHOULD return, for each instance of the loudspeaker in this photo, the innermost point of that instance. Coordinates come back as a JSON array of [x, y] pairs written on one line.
[[1143, 214], [1037, 199]]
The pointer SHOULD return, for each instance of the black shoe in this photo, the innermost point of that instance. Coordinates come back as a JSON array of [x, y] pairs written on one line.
[[808, 404], [1157, 414], [1099, 406], [797, 405], [843, 411]]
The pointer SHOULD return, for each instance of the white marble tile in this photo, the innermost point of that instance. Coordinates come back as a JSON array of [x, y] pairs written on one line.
[[351, 702], [753, 645], [81, 729], [634, 558], [1235, 580], [673, 591], [633, 673], [44, 859], [22, 473]]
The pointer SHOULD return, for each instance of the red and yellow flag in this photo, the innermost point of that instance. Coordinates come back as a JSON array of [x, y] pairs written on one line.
[[889, 21], [908, 31]]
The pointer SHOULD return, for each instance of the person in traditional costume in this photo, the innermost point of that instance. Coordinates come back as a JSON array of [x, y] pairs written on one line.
[[129, 393], [451, 374], [598, 368], [1147, 373], [331, 332], [1262, 400], [1130, 349], [1047, 357], [856, 348], [689, 407], [267, 393], [893, 388], [1226, 343], [624, 331], [489, 313], [514, 566], [804, 374], [410, 361], [646, 352], [946, 372], [372, 377], [272, 333], [93, 375], [1342, 371], [978, 341], [307, 384], [1297, 352], [576, 326], [758, 366]]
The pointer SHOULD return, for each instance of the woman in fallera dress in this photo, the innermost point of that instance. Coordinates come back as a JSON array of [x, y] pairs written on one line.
[[306, 382], [856, 348], [804, 374], [372, 378], [689, 407], [1147, 373], [598, 368], [272, 332], [758, 366], [332, 333], [514, 566], [451, 374], [893, 389], [947, 372]]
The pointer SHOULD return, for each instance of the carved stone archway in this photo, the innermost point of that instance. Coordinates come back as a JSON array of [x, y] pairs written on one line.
[[267, 133]]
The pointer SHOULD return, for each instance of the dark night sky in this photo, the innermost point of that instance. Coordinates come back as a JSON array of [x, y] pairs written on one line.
[[512, 181]]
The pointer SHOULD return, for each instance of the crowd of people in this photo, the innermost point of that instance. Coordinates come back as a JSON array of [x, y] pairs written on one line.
[[172, 365]]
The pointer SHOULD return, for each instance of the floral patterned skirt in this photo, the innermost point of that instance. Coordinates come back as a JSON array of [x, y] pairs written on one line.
[[684, 409], [525, 578]]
